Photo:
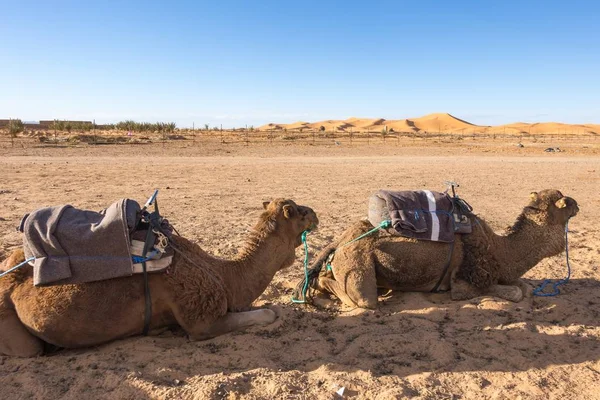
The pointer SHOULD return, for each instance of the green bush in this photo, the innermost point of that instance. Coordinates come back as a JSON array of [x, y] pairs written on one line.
[[15, 126], [133, 126]]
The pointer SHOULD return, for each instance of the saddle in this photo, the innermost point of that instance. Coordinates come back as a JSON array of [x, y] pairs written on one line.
[[70, 245], [421, 214]]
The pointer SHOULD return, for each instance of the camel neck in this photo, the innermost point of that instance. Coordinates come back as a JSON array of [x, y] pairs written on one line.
[[525, 247], [248, 275]]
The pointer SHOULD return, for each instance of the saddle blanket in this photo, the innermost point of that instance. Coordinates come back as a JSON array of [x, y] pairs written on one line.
[[420, 214], [75, 246]]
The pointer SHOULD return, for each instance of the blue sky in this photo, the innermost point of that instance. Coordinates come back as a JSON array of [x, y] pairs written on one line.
[[252, 62]]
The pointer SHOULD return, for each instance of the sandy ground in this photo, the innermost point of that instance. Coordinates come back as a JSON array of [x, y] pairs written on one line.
[[420, 346]]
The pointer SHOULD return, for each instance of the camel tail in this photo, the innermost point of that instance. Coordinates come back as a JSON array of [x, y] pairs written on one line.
[[302, 290]]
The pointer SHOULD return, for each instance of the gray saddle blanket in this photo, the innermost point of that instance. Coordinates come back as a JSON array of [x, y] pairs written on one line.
[[74, 246], [420, 214]]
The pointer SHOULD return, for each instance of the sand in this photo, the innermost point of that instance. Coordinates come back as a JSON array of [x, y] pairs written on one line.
[[421, 346], [437, 122]]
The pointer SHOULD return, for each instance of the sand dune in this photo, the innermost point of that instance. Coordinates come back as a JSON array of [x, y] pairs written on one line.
[[437, 122]]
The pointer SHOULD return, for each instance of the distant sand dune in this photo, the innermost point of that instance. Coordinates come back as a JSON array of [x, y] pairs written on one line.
[[437, 122]]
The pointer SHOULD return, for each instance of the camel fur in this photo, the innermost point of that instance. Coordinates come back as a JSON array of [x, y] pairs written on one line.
[[205, 295], [482, 263]]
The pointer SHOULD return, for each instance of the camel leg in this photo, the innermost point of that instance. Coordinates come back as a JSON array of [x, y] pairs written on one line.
[[356, 292], [462, 290], [15, 339], [506, 292], [525, 287], [232, 321]]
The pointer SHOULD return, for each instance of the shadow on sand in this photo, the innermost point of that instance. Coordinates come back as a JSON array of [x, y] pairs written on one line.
[[410, 333]]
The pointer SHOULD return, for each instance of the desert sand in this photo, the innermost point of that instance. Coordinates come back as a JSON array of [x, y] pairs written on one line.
[[422, 346], [437, 122]]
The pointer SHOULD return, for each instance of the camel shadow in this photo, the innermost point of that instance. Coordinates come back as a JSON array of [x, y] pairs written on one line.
[[409, 333]]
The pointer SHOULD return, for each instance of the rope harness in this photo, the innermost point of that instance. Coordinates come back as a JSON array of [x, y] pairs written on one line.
[[539, 291], [306, 280], [383, 224]]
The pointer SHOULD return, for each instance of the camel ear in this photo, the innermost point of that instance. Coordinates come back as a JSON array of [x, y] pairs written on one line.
[[266, 204], [534, 196], [288, 211], [561, 203]]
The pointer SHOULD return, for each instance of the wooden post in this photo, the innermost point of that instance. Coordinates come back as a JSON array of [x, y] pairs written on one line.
[[12, 139]]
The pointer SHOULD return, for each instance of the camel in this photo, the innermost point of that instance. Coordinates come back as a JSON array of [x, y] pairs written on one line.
[[482, 263], [204, 295]]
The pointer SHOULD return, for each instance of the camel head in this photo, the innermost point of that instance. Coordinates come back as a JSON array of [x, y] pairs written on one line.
[[551, 207], [289, 219]]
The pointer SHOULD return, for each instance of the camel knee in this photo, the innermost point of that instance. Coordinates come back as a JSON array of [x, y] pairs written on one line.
[[370, 304], [462, 290], [15, 339]]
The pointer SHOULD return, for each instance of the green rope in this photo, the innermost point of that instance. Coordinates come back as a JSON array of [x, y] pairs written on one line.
[[383, 225], [305, 288]]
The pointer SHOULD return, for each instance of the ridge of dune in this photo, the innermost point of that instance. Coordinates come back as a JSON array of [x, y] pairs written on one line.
[[435, 122]]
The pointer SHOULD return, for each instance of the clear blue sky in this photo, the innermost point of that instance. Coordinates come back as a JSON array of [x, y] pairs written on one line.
[[252, 62]]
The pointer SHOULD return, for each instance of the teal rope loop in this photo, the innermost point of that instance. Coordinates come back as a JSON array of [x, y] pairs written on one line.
[[305, 288], [539, 291], [383, 225]]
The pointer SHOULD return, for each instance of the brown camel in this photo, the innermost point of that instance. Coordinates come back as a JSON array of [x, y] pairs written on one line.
[[205, 295], [482, 263]]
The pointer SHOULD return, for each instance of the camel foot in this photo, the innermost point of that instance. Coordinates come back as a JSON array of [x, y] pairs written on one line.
[[525, 287], [461, 290], [510, 293], [234, 322], [354, 298]]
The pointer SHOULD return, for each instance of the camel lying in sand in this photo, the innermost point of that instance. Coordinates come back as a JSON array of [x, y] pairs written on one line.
[[483, 263], [206, 296]]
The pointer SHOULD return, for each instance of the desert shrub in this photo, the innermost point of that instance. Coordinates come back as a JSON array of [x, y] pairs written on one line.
[[133, 126], [322, 128], [15, 126]]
